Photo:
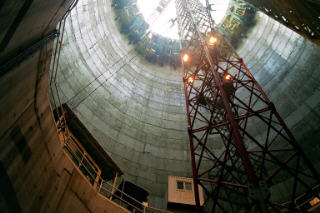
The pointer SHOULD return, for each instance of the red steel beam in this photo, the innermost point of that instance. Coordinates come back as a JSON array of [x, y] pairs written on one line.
[[237, 138]]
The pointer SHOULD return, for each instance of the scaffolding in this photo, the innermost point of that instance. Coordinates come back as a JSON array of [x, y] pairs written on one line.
[[300, 16], [242, 153]]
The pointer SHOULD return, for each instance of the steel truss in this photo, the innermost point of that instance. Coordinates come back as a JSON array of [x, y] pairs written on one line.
[[300, 16], [243, 154]]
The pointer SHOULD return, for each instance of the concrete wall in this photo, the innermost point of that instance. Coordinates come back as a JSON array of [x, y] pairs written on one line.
[[35, 174], [137, 110], [288, 69]]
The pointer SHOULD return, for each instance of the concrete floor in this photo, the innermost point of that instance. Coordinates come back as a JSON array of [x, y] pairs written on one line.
[[137, 110]]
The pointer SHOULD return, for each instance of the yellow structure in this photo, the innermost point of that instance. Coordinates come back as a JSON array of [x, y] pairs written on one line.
[[232, 25], [180, 191]]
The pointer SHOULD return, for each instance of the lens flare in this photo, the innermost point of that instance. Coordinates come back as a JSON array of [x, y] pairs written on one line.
[[186, 57], [191, 79], [212, 40], [227, 76]]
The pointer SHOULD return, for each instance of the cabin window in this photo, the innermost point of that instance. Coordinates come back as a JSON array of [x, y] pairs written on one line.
[[184, 185], [188, 186], [180, 185]]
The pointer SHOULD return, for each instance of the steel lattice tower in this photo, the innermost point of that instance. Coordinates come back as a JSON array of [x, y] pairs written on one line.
[[243, 154]]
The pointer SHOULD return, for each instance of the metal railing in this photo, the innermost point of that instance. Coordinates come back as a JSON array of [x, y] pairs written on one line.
[[81, 161], [53, 89], [102, 186]]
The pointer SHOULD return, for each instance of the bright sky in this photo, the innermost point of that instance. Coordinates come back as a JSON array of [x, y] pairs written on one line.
[[163, 25]]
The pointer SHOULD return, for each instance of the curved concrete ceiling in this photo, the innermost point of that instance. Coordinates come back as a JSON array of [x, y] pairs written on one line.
[[137, 110]]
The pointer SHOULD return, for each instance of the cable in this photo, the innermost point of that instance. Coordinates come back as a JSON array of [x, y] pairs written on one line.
[[96, 78], [76, 105]]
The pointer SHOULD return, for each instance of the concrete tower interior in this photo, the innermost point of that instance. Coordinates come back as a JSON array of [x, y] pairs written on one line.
[[134, 107]]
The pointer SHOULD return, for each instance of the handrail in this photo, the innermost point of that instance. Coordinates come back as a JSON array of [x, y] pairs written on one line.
[[84, 154], [100, 185], [55, 63]]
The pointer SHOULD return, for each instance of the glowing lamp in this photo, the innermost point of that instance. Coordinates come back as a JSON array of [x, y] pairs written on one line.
[[185, 57], [212, 40], [227, 76], [190, 79]]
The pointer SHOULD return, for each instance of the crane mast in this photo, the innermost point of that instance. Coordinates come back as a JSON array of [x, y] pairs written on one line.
[[242, 153]]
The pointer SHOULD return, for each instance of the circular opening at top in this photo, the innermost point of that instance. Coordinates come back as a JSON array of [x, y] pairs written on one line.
[[161, 15]]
